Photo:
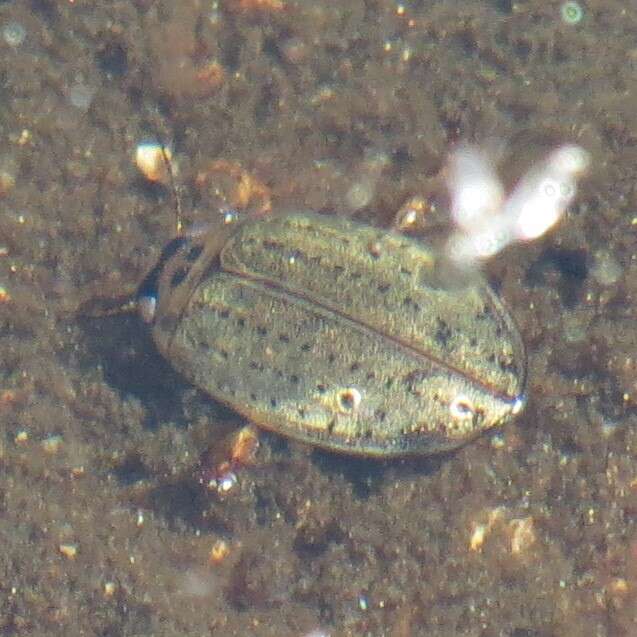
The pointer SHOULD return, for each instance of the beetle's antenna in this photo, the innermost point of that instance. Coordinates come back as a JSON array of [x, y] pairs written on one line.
[[100, 307], [166, 155]]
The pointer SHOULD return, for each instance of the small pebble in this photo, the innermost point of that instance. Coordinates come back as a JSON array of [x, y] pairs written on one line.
[[219, 551], [81, 96], [7, 182], [498, 441], [606, 269], [68, 550], [151, 159], [362, 191], [51, 444]]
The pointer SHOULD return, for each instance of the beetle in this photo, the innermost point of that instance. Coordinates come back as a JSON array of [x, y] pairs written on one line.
[[335, 333]]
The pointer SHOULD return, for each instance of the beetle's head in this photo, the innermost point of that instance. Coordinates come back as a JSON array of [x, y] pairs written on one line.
[[155, 293], [169, 271], [164, 292]]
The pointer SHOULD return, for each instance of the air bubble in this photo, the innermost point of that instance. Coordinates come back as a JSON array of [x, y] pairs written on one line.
[[461, 408], [571, 13], [226, 482], [360, 194], [350, 399], [14, 34], [518, 404]]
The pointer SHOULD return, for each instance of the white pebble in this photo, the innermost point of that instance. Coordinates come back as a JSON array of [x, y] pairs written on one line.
[[151, 158]]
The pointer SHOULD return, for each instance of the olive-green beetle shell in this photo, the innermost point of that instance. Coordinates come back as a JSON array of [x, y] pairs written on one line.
[[330, 332]]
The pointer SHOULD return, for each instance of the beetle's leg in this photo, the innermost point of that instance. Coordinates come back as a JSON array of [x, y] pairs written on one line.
[[219, 464]]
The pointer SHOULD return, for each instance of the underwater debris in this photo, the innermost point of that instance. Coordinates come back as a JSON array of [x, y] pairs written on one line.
[[486, 221]]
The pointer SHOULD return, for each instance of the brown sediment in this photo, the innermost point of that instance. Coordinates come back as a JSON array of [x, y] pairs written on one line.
[[103, 528]]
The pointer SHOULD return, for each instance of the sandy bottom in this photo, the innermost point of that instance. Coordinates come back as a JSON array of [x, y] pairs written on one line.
[[329, 106]]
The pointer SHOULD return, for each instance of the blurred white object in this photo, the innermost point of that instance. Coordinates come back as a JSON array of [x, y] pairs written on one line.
[[486, 222], [475, 188]]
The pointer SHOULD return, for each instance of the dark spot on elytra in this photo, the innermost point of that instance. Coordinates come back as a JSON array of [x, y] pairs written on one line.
[[443, 333], [193, 253], [178, 276]]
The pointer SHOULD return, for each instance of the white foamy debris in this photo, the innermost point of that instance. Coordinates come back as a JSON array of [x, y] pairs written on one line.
[[486, 221]]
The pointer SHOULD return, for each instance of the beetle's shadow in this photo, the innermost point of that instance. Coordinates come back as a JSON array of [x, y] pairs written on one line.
[[132, 366], [367, 475]]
